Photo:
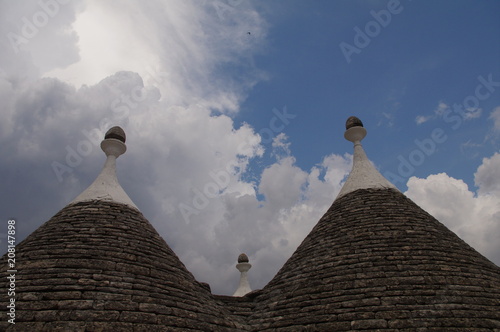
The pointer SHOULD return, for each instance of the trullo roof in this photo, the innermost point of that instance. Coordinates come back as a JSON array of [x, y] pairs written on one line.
[[375, 261]]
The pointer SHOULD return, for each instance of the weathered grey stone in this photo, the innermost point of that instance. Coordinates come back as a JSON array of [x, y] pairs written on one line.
[[369, 324], [90, 254], [379, 270], [138, 317]]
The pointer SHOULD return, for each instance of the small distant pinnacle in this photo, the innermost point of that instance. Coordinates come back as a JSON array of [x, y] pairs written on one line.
[[117, 133], [353, 121], [243, 266], [242, 258]]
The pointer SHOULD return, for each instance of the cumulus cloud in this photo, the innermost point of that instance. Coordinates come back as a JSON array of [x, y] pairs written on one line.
[[186, 161], [474, 216], [268, 230], [38, 36], [182, 47], [495, 116], [488, 175], [172, 75]]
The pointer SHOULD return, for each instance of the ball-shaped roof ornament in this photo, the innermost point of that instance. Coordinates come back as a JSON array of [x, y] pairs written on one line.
[[353, 121], [355, 131], [242, 258], [117, 133]]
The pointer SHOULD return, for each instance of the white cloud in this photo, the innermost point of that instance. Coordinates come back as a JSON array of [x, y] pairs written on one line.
[[439, 111], [37, 36], [281, 148], [487, 177], [282, 183], [467, 114], [178, 46], [441, 108], [495, 116], [475, 217], [159, 70], [422, 119], [268, 230], [176, 145], [180, 153], [472, 113]]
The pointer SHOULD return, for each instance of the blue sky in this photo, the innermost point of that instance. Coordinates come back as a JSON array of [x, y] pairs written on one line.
[[427, 54], [251, 98]]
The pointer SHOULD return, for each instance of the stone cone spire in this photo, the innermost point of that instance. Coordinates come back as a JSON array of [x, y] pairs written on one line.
[[376, 261], [99, 265], [106, 186], [363, 174]]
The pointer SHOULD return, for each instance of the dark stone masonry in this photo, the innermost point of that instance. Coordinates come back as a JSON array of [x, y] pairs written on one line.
[[375, 261], [101, 266]]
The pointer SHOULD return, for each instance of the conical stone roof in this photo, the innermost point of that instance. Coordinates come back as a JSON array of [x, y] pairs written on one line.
[[374, 261], [377, 261], [99, 265]]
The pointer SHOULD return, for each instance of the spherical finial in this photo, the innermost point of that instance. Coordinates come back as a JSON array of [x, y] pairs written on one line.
[[242, 258], [116, 133], [353, 122]]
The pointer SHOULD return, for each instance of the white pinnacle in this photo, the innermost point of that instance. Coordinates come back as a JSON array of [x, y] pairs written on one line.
[[106, 186], [243, 266], [363, 174]]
